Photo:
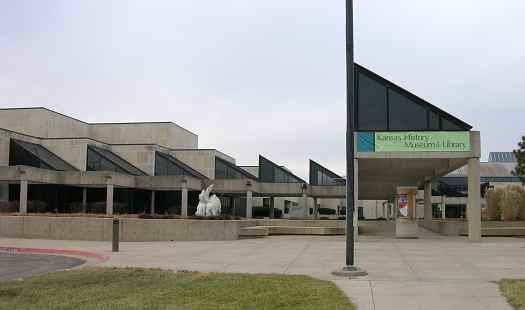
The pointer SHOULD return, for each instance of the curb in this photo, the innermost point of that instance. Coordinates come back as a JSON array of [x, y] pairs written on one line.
[[85, 254]]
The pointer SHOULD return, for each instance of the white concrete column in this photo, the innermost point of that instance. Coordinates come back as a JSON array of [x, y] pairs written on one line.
[[304, 203], [444, 208], [23, 197], [249, 203], [474, 200], [428, 202], [152, 203], [109, 199], [184, 202]]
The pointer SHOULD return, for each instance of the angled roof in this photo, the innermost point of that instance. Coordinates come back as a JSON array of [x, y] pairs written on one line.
[[46, 157], [406, 96], [236, 169], [319, 175], [487, 169], [270, 172], [187, 170], [116, 160], [502, 157]]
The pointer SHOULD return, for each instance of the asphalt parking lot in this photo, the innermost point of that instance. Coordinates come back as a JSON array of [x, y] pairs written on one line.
[[14, 266]]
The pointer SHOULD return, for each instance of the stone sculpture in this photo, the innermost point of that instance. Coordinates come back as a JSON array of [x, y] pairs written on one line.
[[208, 206]]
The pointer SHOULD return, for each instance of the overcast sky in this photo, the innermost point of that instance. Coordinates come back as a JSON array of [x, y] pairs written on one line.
[[263, 76]]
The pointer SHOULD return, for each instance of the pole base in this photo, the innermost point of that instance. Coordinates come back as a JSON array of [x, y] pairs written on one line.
[[350, 272]]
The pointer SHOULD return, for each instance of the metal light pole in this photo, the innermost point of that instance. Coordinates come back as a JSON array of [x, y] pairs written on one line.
[[350, 269], [350, 128]]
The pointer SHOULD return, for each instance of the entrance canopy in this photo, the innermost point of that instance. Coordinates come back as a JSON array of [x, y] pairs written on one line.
[[403, 140]]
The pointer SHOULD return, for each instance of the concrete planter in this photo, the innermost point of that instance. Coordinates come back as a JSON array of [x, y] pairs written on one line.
[[131, 229]]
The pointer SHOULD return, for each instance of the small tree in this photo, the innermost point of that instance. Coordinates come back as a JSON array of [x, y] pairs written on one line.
[[520, 156]]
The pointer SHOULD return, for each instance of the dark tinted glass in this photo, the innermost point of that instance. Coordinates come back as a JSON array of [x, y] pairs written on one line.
[[272, 173], [372, 107], [227, 170], [35, 155], [448, 125], [433, 120], [99, 159], [319, 175], [406, 114], [165, 166]]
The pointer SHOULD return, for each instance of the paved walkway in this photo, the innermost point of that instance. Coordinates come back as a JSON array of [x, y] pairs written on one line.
[[429, 273], [14, 266]]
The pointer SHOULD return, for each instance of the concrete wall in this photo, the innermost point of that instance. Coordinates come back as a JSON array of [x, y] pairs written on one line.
[[4, 148], [141, 156], [44, 123], [200, 160], [254, 170], [447, 228], [164, 134], [40, 122], [73, 151], [100, 229], [373, 209]]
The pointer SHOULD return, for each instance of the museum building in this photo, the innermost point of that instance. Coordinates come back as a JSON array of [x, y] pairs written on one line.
[[50, 162]]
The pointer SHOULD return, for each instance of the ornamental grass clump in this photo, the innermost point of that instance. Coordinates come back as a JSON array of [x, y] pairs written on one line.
[[512, 202], [494, 197]]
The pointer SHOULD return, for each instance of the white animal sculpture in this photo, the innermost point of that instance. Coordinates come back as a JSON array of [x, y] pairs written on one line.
[[208, 206]]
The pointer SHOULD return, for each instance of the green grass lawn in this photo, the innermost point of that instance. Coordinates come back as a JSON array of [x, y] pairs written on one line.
[[111, 288], [514, 291]]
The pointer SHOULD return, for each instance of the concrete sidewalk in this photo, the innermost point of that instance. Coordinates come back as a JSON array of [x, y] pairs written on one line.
[[429, 273]]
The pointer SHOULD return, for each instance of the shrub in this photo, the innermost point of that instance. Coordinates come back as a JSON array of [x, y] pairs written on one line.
[[494, 198], [511, 202], [8, 206], [326, 211], [265, 212], [172, 210], [223, 217], [97, 207], [36, 206], [74, 207]]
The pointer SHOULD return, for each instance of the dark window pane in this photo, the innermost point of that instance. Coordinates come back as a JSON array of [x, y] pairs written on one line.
[[272, 173], [319, 175], [165, 164], [406, 114], [449, 125], [99, 159], [227, 170], [372, 109], [35, 155], [433, 120]]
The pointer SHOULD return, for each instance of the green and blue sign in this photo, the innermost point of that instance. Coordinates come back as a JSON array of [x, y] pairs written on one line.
[[413, 141]]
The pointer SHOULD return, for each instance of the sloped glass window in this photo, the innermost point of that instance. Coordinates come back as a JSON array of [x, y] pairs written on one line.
[[433, 120], [166, 164], [99, 159], [320, 175], [272, 173], [406, 114], [35, 155], [448, 125], [227, 170], [372, 105]]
